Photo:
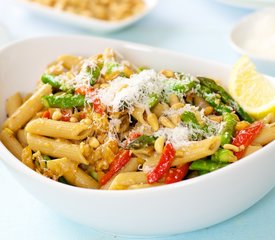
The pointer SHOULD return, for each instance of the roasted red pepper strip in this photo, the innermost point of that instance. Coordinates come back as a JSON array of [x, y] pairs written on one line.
[[134, 135], [46, 114], [66, 116], [163, 164], [90, 91], [119, 162], [176, 174], [246, 136]]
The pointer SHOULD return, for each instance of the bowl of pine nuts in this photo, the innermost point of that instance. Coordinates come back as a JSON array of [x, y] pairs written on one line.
[[100, 16]]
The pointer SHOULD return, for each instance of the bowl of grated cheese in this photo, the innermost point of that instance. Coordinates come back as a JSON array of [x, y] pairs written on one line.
[[254, 36]]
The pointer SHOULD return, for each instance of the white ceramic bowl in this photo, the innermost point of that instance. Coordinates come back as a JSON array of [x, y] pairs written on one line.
[[176, 208], [243, 31], [86, 22]]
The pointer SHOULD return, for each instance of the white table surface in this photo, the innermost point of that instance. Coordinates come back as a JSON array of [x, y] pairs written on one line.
[[197, 27]]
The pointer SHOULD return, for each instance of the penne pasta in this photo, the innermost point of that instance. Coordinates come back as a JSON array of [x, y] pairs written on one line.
[[72, 173], [26, 111], [13, 103], [251, 149], [11, 143], [58, 129], [123, 180], [54, 148], [198, 150], [22, 137], [266, 135], [131, 166]]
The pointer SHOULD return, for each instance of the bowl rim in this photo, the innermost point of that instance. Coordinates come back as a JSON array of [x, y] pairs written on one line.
[[246, 20], [9, 159]]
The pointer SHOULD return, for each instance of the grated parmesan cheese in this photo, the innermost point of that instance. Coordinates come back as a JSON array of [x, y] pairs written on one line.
[[136, 93], [178, 136]]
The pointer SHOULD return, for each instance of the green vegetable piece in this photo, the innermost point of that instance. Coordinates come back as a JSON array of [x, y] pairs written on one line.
[[227, 99], [63, 180], [189, 117], [213, 99], [206, 165], [141, 142], [110, 66], [141, 68], [182, 87], [94, 73], [223, 155], [63, 101], [93, 174], [46, 157], [50, 79], [228, 129], [202, 172], [153, 100]]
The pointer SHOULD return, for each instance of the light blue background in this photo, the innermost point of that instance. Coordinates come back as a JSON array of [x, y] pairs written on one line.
[[198, 27]]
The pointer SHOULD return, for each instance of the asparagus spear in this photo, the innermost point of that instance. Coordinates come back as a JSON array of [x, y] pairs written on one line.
[[141, 142], [209, 96], [55, 83], [211, 84], [63, 101], [206, 165], [223, 155], [228, 129], [94, 73], [153, 100], [50, 79]]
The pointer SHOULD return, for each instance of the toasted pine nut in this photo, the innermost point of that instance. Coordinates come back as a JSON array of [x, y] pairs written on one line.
[[127, 71], [215, 118], [159, 144], [166, 122], [73, 119], [241, 125], [167, 73], [173, 99], [160, 108], [93, 142], [233, 147], [152, 119], [177, 106], [57, 115], [175, 118], [208, 110]]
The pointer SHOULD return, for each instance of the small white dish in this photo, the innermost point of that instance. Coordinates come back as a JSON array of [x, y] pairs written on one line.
[[171, 209], [250, 4], [86, 22], [244, 32]]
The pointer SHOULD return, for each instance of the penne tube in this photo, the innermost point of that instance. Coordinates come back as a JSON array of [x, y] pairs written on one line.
[[29, 108], [131, 166], [251, 149], [27, 157], [54, 148], [198, 150], [72, 173], [22, 137], [58, 129], [13, 103], [266, 135], [124, 180], [11, 143]]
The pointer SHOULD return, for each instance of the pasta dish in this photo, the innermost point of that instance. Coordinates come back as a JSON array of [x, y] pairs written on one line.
[[101, 122]]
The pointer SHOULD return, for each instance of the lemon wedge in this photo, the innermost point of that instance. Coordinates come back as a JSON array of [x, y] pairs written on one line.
[[251, 89]]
